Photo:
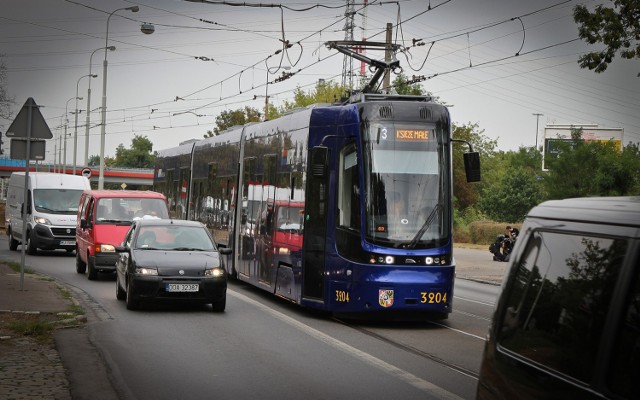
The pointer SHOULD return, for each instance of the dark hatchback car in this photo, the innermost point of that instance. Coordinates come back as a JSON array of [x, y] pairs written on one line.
[[168, 259]]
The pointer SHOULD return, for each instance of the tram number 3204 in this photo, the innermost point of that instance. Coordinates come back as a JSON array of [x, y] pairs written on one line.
[[342, 296]]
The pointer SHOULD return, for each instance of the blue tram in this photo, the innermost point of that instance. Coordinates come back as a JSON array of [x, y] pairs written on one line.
[[344, 208]]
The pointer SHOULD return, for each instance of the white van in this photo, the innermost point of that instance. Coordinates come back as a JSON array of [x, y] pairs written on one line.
[[51, 207]]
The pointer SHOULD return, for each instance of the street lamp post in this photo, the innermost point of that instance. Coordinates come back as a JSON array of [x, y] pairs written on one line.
[[66, 123], [75, 133], [537, 115], [88, 120], [59, 153], [104, 96]]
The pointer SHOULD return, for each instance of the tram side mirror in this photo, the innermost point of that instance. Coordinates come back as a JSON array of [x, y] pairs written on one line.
[[472, 166], [319, 161]]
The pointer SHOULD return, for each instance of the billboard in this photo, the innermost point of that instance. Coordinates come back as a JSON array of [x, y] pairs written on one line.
[[554, 134]]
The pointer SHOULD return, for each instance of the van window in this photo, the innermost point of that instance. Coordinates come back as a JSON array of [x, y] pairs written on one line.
[[559, 300], [57, 201], [623, 378]]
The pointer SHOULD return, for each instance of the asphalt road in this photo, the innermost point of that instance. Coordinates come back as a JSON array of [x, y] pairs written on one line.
[[265, 347]]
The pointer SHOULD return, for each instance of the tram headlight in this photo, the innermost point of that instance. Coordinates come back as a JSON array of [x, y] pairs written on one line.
[[443, 259], [381, 259]]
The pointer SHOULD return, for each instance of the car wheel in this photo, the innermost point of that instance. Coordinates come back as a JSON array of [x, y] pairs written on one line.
[[93, 272], [120, 293], [13, 243], [220, 305], [132, 301], [31, 245], [81, 266]]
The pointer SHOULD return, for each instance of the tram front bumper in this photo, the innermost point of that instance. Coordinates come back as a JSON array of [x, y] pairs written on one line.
[[423, 289]]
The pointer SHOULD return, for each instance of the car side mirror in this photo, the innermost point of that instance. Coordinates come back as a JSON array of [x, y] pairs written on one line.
[[472, 166], [225, 250], [121, 249], [83, 223]]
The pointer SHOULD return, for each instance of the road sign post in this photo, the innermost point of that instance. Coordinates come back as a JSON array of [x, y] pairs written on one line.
[[28, 126]]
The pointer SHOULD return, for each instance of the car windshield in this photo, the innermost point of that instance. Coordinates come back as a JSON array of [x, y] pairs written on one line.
[[57, 201], [126, 209], [174, 238]]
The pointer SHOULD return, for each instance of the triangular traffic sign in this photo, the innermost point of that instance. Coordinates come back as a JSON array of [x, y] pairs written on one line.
[[39, 127]]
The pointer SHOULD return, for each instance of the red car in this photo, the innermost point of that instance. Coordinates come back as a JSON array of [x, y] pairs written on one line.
[[104, 217]]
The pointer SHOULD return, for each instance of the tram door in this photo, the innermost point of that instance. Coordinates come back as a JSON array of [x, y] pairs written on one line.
[[315, 224], [249, 206]]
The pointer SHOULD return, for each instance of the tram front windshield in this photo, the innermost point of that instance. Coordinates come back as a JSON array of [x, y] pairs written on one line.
[[406, 178]]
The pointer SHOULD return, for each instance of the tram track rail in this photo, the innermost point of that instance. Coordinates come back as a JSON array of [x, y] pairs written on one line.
[[410, 349]]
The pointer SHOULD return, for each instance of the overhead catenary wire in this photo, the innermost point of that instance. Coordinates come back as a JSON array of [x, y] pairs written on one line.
[[497, 61]]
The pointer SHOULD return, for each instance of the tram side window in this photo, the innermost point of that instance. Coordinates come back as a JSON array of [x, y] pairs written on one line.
[[349, 190], [559, 301], [623, 379]]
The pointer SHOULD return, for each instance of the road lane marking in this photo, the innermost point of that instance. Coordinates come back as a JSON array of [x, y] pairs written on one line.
[[401, 374], [475, 301], [476, 316], [459, 331]]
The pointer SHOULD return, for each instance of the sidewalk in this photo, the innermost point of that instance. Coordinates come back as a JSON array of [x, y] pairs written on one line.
[[63, 368], [28, 368], [70, 367]]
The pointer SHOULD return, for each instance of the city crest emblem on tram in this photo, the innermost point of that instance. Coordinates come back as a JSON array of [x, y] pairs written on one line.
[[385, 297]]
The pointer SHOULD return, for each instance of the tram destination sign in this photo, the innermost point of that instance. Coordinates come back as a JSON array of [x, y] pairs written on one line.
[[412, 135]]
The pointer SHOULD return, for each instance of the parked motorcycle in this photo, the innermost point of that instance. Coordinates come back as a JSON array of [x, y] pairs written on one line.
[[501, 248]]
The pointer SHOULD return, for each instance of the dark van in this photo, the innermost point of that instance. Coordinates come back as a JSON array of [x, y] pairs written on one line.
[[104, 217], [567, 323]]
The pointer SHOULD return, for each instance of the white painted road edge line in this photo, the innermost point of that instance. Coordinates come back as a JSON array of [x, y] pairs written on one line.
[[405, 376]]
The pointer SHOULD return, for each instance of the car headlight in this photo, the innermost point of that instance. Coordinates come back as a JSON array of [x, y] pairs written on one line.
[[215, 272], [105, 248], [146, 271], [41, 220]]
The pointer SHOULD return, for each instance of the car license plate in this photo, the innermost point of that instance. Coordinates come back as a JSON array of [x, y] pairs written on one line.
[[67, 243], [182, 287]]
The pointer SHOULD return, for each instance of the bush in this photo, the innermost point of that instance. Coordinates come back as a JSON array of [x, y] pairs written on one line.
[[462, 221]]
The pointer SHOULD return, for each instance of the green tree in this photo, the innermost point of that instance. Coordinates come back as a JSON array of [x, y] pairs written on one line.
[[512, 180], [509, 199], [401, 86], [527, 158], [617, 27], [324, 92], [591, 168], [94, 161], [466, 194], [228, 119], [140, 155]]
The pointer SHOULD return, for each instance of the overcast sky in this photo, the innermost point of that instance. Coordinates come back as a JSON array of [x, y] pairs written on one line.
[[205, 58]]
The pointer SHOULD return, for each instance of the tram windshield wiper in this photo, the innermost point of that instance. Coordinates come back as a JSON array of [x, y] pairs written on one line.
[[412, 244]]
